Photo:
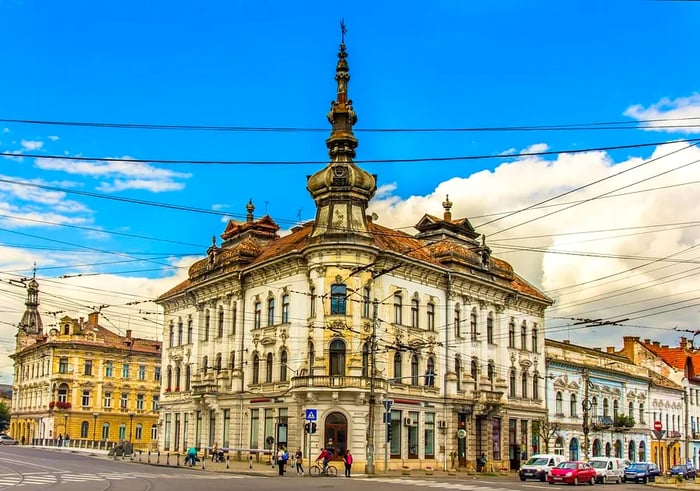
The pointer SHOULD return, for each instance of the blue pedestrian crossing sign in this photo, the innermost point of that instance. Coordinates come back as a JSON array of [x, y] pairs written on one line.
[[311, 414]]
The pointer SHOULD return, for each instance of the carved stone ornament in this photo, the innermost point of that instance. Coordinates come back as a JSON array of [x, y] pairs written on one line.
[[337, 325], [366, 326]]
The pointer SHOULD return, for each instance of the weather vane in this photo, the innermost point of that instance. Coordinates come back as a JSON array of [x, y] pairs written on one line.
[[343, 30]]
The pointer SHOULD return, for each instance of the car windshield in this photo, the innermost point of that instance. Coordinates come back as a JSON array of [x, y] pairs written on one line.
[[678, 468], [598, 464], [537, 461], [567, 465], [637, 467]]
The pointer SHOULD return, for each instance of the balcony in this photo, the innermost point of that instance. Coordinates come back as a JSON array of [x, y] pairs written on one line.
[[673, 435], [601, 422], [337, 382]]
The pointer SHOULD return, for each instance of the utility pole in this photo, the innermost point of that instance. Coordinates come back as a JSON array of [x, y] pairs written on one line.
[[370, 467], [586, 407]]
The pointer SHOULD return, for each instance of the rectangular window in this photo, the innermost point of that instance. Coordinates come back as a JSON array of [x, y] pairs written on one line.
[[269, 424], [88, 367], [154, 403], [142, 372], [254, 427], [270, 311], [285, 309], [156, 374], [257, 315], [154, 432], [523, 434], [412, 435], [166, 432], [227, 428], [109, 369], [139, 401], [431, 317], [496, 435], [429, 436], [312, 303], [395, 444], [338, 294], [125, 370], [139, 432], [108, 400], [398, 307], [414, 313], [124, 401], [63, 365], [190, 328], [85, 400], [234, 318], [220, 328]]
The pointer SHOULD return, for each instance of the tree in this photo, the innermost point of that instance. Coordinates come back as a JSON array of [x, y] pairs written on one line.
[[543, 430], [4, 416]]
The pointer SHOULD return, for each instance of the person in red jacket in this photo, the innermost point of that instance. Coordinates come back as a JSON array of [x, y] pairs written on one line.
[[326, 456], [347, 459]]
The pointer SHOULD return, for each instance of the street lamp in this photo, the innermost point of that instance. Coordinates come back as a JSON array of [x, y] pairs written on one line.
[[94, 428], [131, 424]]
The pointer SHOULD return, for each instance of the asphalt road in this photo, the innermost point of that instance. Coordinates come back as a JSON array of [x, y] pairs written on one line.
[[26, 468]]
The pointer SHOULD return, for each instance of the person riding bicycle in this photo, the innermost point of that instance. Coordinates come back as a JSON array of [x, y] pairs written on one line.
[[326, 456]]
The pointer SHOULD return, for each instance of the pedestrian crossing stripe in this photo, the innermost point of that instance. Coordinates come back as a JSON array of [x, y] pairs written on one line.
[[57, 478], [436, 484]]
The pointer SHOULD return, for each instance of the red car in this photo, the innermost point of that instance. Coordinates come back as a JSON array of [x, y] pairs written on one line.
[[572, 472]]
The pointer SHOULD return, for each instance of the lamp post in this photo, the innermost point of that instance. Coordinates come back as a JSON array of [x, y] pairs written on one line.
[[94, 428], [131, 424]]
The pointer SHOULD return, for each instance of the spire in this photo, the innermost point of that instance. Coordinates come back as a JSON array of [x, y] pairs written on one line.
[[447, 206], [250, 208], [342, 142], [31, 320]]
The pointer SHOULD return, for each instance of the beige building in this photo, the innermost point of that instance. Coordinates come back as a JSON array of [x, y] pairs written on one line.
[[82, 383], [343, 320]]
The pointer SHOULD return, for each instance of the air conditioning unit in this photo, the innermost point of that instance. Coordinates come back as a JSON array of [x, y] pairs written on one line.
[[442, 424], [408, 422]]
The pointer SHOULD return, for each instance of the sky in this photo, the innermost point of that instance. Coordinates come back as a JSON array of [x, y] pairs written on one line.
[[562, 130]]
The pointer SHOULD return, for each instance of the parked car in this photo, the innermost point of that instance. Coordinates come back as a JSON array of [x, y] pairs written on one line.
[[7, 440], [641, 472], [608, 469], [572, 472], [538, 466], [687, 471]]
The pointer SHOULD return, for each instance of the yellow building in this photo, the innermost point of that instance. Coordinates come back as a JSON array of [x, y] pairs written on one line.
[[81, 384]]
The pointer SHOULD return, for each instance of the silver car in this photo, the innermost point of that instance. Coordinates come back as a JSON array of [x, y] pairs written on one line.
[[6, 440]]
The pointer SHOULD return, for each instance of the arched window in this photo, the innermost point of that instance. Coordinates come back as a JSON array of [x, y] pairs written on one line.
[[270, 311], [397, 367], [122, 431], [573, 406], [641, 413], [207, 321], [177, 378], [138, 435], [398, 307], [606, 407], [430, 372], [365, 359], [179, 332], [285, 309], [171, 335], [523, 336], [190, 329], [84, 427], [169, 379], [524, 384], [559, 404], [312, 302], [594, 406], [489, 328], [511, 333], [536, 386], [218, 365], [630, 410], [283, 366], [234, 317], [268, 368], [616, 408], [338, 298], [220, 327], [256, 369], [105, 431], [188, 377], [414, 369], [472, 325], [232, 360], [458, 371], [430, 312], [337, 358], [474, 372], [535, 340], [511, 383], [458, 321], [491, 372]]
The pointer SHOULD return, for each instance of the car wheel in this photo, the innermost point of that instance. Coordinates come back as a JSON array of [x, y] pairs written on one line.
[[543, 478], [644, 480], [592, 481], [522, 478], [575, 481]]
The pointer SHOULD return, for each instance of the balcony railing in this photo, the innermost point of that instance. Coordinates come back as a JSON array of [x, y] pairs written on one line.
[[602, 421], [673, 435], [337, 382]]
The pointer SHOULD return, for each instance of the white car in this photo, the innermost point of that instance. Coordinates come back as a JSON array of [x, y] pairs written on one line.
[[6, 440]]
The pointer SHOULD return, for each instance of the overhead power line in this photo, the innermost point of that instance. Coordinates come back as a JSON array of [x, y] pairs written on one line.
[[366, 161]]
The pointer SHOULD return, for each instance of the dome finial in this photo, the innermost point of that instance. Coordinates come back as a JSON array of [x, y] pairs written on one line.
[[250, 208], [447, 205]]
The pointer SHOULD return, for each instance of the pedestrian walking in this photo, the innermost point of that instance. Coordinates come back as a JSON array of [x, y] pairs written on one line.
[[298, 461], [347, 460]]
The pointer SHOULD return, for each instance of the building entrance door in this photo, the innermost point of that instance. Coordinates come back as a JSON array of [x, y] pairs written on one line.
[[335, 434]]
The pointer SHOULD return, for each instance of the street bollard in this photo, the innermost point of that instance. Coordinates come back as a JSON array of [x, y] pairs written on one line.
[[148, 456], [177, 460], [167, 459], [227, 464], [204, 461], [158, 458], [250, 461]]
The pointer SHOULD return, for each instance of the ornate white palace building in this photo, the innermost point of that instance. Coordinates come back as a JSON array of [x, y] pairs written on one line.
[[342, 314]]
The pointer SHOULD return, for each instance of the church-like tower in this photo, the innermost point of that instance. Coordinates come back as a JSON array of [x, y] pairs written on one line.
[[31, 324], [341, 190]]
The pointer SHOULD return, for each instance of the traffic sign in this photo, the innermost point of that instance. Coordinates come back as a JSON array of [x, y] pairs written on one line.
[[658, 426], [387, 404], [311, 414]]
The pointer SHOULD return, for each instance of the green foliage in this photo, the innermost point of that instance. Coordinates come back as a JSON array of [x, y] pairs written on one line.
[[4, 416]]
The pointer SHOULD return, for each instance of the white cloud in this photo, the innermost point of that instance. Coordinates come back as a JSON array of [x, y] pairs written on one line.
[[53, 138], [674, 109], [558, 252], [31, 144], [535, 148]]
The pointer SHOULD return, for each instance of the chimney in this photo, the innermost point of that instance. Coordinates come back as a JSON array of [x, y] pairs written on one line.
[[93, 318], [566, 341], [647, 341], [610, 349], [128, 333], [684, 343]]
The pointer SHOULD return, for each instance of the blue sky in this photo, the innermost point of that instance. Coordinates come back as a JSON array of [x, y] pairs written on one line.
[[441, 64]]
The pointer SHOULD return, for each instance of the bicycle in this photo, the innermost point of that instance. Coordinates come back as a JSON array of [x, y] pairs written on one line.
[[317, 471]]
